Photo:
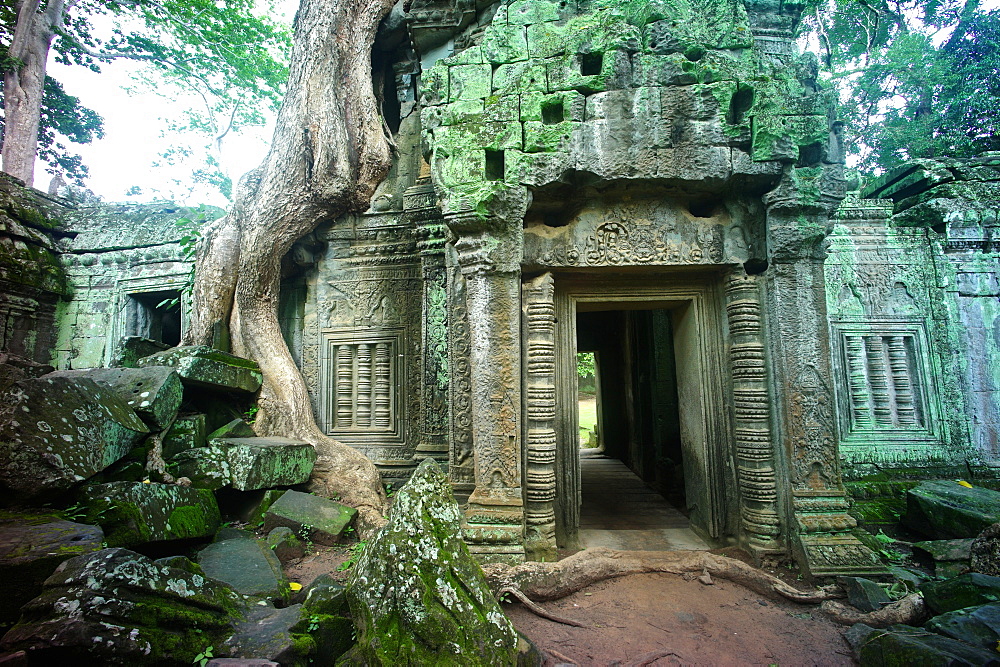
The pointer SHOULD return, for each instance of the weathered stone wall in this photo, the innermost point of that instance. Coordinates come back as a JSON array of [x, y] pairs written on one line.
[[122, 261], [32, 281], [914, 308]]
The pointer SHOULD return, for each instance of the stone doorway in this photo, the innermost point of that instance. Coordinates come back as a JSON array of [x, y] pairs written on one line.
[[664, 422]]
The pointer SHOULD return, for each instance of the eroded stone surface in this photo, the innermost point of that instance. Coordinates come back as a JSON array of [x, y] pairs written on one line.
[[57, 431], [31, 546], [117, 606], [946, 509], [978, 626], [154, 392], [246, 463], [984, 554], [320, 519], [202, 366], [135, 513], [248, 565], [967, 590], [417, 594], [904, 645]]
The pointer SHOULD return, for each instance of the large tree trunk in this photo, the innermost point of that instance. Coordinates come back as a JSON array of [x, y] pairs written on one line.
[[24, 82], [327, 156]]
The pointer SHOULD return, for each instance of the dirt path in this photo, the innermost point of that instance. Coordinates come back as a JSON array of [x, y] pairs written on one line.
[[659, 619]]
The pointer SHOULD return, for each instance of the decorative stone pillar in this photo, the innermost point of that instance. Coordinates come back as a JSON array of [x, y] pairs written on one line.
[[755, 469], [420, 206], [489, 257], [538, 309], [799, 332]]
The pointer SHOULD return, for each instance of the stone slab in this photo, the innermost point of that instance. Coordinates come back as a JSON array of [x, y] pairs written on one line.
[[904, 645], [246, 464], [202, 366], [135, 513], [154, 392], [237, 428], [130, 349], [58, 431], [31, 546], [248, 565], [967, 590], [946, 550], [137, 607], [187, 432], [979, 626], [324, 519], [864, 594], [947, 510]]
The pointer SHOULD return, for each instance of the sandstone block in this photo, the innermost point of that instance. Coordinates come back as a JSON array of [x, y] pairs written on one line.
[[945, 510], [202, 366], [31, 546], [246, 463], [324, 519], [134, 513], [58, 431], [248, 565], [187, 432], [154, 392]]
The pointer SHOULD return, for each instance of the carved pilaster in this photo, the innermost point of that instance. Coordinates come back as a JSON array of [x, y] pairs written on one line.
[[754, 442], [540, 433], [420, 205], [800, 336], [494, 520]]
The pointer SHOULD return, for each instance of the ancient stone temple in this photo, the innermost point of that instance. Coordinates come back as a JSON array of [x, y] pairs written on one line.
[[660, 182]]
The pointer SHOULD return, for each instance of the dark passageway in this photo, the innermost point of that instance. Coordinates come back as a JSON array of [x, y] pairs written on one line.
[[633, 487]]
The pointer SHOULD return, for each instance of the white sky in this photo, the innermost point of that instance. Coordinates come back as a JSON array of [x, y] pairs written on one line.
[[135, 135]]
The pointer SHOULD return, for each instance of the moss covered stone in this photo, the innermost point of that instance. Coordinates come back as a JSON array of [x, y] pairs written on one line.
[[154, 392], [202, 366], [246, 464], [135, 513], [31, 546], [119, 607], [947, 509], [248, 565], [56, 432], [417, 595], [319, 519]]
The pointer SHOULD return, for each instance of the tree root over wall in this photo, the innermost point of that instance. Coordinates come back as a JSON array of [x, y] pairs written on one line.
[[541, 582]]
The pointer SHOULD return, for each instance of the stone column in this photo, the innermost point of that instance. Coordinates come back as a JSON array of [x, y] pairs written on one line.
[[755, 466], [489, 255], [799, 333], [420, 206]]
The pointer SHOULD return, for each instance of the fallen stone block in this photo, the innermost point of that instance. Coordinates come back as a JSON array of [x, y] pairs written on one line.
[[984, 554], [234, 429], [130, 349], [14, 369], [248, 565], [864, 594], [31, 546], [978, 626], [118, 607], [246, 463], [187, 432], [904, 645], [56, 432], [136, 513], [202, 366], [285, 545], [967, 590], [267, 634], [420, 555], [947, 510], [324, 596], [154, 392], [320, 519], [255, 516], [951, 557]]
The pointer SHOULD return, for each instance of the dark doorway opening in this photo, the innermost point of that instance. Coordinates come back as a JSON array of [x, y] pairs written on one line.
[[154, 315], [638, 402]]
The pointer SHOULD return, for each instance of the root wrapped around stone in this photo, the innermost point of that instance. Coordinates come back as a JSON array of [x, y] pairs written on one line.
[[910, 610]]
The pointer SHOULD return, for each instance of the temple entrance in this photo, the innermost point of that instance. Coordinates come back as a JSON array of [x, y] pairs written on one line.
[[656, 479]]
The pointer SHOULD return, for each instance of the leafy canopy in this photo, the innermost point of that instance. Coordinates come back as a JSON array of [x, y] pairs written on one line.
[[233, 60], [916, 78]]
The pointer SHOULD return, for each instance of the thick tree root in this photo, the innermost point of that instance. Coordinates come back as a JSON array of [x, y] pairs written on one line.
[[551, 581], [539, 611], [910, 610]]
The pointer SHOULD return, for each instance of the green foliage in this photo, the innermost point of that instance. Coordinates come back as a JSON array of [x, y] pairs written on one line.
[[586, 364], [356, 550], [204, 657], [229, 58], [916, 78]]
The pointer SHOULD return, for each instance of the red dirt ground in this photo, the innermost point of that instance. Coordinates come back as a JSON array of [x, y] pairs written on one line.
[[659, 619]]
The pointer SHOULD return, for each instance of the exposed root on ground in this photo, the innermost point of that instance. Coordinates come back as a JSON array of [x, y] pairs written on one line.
[[551, 581], [910, 610], [539, 611]]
